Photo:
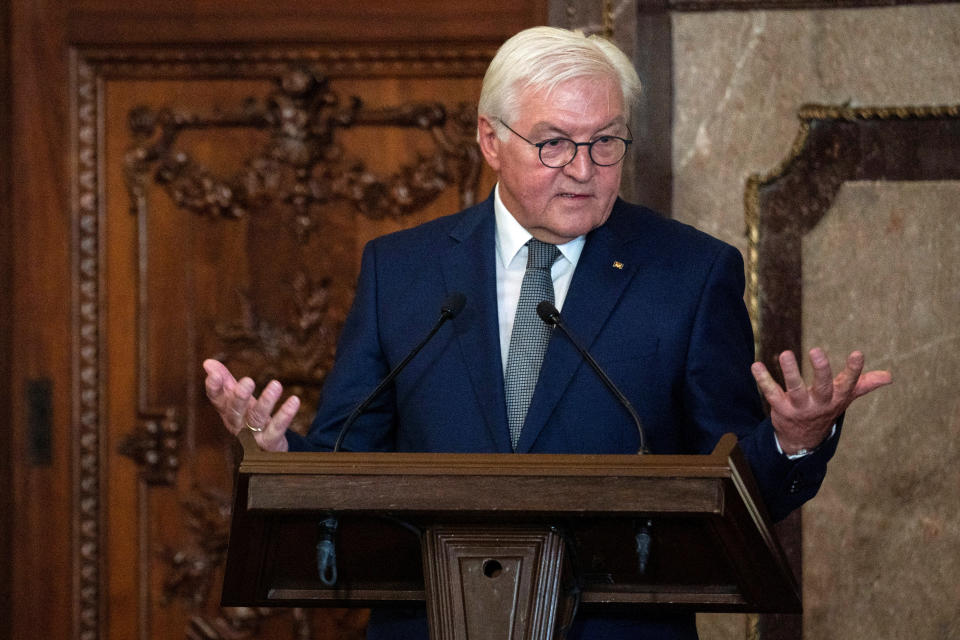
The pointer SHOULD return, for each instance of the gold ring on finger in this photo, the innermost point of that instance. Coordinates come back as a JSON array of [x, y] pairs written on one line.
[[253, 428]]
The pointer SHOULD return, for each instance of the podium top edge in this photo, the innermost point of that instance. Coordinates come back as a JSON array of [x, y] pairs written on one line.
[[717, 463]]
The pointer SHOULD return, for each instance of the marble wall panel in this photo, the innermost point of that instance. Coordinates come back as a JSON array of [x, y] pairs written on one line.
[[739, 80], [881, 539], [740, 77]]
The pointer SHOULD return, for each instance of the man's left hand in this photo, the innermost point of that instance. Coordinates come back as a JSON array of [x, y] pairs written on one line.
[[803, 416]]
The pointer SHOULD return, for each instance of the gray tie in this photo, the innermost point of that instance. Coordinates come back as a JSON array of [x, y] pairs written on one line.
[[528, 342]]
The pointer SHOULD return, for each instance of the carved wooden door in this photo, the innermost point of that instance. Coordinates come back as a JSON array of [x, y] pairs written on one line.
[[234, 217], [221, 190]]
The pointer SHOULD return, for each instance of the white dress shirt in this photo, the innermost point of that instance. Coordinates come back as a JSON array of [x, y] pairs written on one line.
[[511, 240]]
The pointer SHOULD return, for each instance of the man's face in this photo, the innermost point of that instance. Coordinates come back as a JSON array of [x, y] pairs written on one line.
[[557, 205]]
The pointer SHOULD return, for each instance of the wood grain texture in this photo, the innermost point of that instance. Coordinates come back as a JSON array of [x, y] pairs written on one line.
[[101, 298], [6, 329], [713, 546]]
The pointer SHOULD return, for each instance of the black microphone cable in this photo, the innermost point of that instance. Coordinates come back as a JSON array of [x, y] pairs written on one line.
[[327, 530], [451, 306], [549, 314]]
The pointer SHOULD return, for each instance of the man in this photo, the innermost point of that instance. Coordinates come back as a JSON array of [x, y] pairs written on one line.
[[658, 303]]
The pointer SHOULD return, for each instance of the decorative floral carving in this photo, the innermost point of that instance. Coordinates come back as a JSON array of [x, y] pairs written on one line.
[[207, 518], [298, 354], [155, 446], [235, 623], [155, 133], [191, 572], [302, 167]]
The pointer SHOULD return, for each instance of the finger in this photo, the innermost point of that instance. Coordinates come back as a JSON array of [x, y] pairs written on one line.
[[220, 386], [217, 371], [846, 380], [258, 413], [871, 381], [240, 399], [793, 383], [767, 385], [274, 438], [217, 374], [822, 388], [213, 384]]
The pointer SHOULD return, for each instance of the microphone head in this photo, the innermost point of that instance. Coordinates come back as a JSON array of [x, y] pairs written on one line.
[[453, 305], [548, 313]]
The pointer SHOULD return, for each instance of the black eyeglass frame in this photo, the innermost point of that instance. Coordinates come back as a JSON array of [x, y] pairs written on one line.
[[576, 147]]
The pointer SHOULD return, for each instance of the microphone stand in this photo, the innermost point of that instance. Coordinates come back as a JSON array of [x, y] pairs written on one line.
[[451, 307], [549, 314], [326, 545]]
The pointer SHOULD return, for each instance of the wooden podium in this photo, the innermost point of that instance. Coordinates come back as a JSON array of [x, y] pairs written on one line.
[[496, 544]]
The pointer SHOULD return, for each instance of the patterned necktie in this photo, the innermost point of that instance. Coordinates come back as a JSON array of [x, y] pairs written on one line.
[[528, 342]]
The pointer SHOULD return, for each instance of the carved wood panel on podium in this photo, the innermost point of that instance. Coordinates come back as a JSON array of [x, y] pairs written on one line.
[[222, 198]]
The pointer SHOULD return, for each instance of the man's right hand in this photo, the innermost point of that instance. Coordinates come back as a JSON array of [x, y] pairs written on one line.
[[239, 409]]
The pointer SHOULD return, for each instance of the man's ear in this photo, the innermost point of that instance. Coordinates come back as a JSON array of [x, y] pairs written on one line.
[[489, 142]]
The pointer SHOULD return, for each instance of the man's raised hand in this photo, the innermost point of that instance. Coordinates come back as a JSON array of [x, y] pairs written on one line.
[[240, 409], [803, 415]]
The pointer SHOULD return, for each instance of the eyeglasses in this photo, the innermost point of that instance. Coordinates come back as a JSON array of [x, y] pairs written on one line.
[[605, 151]]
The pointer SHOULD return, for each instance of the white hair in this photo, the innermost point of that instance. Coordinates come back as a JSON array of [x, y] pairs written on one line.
[[545, 57]]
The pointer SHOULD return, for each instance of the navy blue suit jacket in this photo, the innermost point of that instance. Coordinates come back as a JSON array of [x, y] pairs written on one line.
[[659, 305]]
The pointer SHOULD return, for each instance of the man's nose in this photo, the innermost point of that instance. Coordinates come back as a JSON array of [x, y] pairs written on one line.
[[581, 168]]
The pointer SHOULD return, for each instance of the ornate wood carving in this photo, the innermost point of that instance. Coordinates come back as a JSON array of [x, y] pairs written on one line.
[[305, 163], [834, 145], [155, 446], [87, 542], [303, 166], [297, 355], [192, 571]]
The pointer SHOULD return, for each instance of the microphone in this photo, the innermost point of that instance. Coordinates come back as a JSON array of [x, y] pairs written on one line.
[[327, 529], [549, 314], [452, 305]]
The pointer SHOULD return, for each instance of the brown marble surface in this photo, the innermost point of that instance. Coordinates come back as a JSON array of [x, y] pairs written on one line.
[[740, 78], [882, 558], [882, 538]]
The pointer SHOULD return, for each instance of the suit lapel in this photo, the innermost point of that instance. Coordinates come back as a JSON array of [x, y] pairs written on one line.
[[601, 276], [469, 267]]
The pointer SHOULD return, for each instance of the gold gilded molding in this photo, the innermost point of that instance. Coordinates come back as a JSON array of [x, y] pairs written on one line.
[[845, 112], [806, 115], [753, 626], [833, 145], [608, 21], [771, 5], [751, 204]]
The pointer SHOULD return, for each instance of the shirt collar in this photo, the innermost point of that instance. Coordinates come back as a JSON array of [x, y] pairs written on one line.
[[511, 236]]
